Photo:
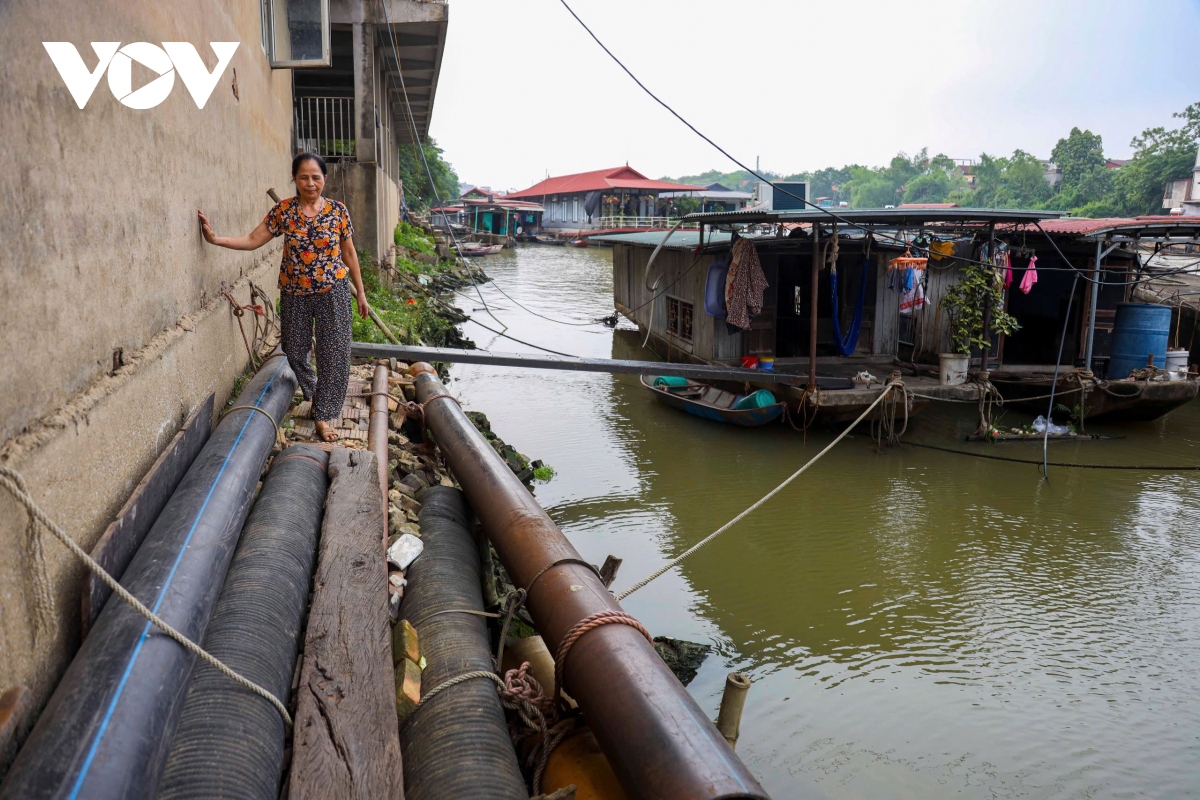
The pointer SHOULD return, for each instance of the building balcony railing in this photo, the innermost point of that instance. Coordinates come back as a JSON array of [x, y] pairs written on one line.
[[626, 221], [325, 126]]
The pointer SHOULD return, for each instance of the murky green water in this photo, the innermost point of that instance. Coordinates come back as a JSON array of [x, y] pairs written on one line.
[[916, 624]]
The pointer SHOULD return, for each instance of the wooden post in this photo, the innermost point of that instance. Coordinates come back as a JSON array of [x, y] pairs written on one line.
[[812, 325], [346, 741], [729, 718], [987, 301]]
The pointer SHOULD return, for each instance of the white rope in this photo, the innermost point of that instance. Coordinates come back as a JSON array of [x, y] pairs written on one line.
[[675, 561], [11, 480]]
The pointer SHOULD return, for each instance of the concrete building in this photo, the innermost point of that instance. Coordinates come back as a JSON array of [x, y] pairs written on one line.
[[113, 320], [1182, 196]]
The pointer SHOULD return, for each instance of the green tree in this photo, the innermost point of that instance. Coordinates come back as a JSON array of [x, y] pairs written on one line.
[[1078, 156], [417, 189], [1159, 156]]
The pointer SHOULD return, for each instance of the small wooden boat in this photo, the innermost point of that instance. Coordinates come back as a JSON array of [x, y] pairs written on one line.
[[1107, 401], [709, 402], [545, 239], [579, 242], [480, 250]]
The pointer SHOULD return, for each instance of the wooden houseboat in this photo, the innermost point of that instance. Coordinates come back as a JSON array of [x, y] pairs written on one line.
[[807, 321]]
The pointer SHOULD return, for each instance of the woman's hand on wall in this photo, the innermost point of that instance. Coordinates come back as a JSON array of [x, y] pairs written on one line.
[[206, 228]]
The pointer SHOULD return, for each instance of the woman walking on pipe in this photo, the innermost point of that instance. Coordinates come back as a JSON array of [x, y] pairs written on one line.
[[318, 254]]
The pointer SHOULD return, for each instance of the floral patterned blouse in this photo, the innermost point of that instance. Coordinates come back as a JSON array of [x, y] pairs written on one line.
[[312, 249]]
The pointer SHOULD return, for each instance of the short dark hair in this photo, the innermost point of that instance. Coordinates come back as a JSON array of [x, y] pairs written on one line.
[[300, 159]]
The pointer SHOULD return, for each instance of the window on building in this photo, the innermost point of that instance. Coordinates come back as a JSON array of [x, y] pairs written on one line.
[[297, 33], [679, 318], [575, 210]]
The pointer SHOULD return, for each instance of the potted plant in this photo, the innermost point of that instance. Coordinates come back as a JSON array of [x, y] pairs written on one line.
[[964, 304]]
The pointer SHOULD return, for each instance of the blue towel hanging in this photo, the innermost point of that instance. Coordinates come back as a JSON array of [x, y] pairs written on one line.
[[845, 344]]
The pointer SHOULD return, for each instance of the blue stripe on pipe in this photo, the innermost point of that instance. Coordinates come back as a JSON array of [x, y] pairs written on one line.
[[163, 593]]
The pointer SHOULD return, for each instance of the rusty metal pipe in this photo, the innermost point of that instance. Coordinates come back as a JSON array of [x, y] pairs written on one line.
[[377, 433], [659, 742]]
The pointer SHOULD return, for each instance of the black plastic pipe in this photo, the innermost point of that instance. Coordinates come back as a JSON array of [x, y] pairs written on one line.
[[107, 727], [230, 741], [457, 745]]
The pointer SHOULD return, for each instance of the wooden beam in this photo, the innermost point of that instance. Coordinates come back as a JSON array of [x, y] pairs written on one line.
[[121, 540], [346, 741], [611, 365]]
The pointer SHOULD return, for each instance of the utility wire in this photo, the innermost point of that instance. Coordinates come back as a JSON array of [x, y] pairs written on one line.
[[755, 173], [522, 341], [419, 146]]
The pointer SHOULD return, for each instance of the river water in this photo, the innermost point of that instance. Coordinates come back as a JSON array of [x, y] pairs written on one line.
[[916, 624]]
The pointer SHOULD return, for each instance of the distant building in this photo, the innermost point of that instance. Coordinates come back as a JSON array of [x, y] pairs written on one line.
[[714, 197], [484, 211], [1182, 195], [1052, 174], [619, 197]]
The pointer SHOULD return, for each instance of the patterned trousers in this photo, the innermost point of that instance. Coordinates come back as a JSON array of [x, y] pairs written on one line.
[[331, 313]]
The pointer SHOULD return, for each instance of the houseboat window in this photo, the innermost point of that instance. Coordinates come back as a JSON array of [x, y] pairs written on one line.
[[575, 210], [679, 318], [299, 34]]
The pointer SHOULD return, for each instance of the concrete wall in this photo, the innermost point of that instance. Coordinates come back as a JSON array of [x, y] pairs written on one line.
[[102, 251], [373, 200]]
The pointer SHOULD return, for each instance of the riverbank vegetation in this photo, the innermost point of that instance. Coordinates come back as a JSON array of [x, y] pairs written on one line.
[[1086, 186]]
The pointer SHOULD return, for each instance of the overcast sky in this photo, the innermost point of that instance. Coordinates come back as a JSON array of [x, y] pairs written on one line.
[[800, 85]]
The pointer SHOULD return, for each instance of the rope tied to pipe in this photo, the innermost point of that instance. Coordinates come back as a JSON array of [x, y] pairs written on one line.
[[519, 692], [12, 480], [888, 389], [588, 623]]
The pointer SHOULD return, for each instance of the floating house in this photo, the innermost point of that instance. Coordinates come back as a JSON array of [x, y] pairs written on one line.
[[880, 277], [493, 214], [620, 198]]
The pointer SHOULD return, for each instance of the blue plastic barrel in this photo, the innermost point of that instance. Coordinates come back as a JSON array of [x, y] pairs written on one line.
[[1139, 331]]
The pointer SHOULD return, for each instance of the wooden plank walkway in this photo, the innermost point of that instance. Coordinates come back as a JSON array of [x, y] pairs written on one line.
[[346, 742], [121, 540]]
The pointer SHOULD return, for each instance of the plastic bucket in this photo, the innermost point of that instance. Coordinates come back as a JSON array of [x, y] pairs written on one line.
[[1177, 360], [1140, 332], [760, 399], [767, 363], [953, 368], [749, 362]]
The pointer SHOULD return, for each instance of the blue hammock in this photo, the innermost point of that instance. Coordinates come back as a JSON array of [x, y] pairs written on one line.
[[845, 344]]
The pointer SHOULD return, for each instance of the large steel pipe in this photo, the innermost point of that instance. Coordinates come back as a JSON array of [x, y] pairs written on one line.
[[107, 728], [659, 742]]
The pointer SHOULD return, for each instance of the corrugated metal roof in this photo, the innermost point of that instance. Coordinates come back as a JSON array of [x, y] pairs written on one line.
[[599, 180], [1186, 227], [878, 216], [680, 240]]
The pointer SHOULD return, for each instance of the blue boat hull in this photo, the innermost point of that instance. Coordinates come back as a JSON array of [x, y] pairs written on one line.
[[745, 418]]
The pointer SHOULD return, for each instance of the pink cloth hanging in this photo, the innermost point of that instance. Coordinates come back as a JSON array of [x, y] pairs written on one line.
[[1030, 275], [1008, 277]]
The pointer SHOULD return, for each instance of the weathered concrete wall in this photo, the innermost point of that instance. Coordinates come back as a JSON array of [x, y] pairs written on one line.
[[102, 251], [102, 248], [373, 200]]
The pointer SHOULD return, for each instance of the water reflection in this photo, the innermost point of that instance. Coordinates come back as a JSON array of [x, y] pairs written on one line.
[[917, 623]]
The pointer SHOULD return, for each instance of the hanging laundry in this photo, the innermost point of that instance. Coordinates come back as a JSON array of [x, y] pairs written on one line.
[[940, 250], [913, 297], [745, 297], [1008, 277], [1030, 275]]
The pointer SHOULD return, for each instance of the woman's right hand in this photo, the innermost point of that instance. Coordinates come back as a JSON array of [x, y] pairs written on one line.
[[206, 228]]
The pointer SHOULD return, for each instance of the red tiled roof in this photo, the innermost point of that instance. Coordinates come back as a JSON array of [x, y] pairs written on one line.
[[601, 180]]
